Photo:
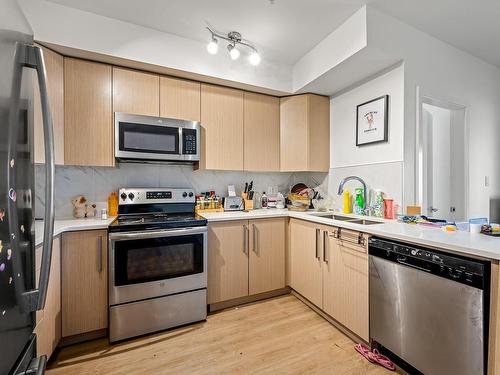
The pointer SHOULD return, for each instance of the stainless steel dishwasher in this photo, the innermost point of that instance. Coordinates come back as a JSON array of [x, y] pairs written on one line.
[[429, 308]]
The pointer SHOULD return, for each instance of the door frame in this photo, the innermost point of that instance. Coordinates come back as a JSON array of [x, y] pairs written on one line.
[[424, 97]]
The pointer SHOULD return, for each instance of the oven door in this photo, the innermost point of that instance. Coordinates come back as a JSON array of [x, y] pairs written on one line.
[[154, 138], [157, 263]]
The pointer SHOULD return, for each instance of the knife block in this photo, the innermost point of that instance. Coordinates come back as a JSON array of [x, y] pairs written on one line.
[[248, 203]]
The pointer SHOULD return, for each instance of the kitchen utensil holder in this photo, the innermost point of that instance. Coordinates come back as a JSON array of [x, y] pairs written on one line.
[[248, 203]]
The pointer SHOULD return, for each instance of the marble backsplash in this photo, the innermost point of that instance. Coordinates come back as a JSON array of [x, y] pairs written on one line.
[[95, 183]]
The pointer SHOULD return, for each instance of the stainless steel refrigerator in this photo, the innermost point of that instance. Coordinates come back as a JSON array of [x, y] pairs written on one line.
[[20, 64]]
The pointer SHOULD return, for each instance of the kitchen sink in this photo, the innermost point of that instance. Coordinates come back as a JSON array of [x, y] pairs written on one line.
[[338, 217], [351, 219], [364, 222]]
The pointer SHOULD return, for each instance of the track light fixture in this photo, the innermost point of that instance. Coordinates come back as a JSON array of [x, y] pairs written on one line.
[[235, 41]]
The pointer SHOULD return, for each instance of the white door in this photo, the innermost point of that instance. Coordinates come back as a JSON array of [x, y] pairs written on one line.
[[443, 132]]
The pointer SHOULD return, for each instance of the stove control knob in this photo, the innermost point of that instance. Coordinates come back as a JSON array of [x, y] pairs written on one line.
[[131, 196], [184, 195], [190, 194], [123, 196]]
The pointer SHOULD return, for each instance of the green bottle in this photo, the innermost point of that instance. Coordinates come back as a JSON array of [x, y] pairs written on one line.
[[359, 202]]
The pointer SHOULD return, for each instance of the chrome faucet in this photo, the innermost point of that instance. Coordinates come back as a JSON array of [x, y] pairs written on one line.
[[350, 178]]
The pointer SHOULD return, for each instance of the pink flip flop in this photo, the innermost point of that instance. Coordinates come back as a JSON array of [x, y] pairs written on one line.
[[382, 360], [365, 351]]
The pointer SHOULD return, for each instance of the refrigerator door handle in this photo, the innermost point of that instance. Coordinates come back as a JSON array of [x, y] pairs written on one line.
[[33, 58]]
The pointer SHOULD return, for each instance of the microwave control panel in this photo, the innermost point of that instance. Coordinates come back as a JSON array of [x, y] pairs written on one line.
[[189, 142]]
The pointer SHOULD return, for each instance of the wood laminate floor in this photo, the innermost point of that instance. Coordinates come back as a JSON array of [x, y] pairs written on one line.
[[277, 336]]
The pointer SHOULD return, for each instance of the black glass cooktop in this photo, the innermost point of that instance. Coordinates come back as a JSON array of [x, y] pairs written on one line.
[[155, 221]]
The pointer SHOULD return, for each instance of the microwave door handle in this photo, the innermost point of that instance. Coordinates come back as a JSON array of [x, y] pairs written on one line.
[[181, 151]]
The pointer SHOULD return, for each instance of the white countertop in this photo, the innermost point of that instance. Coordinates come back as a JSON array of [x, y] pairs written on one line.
[[69, 225], [465, 243]]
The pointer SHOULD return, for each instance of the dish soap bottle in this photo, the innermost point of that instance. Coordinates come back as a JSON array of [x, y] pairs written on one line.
[[378, 207], [347, 202], [263, 200], [359, 202]]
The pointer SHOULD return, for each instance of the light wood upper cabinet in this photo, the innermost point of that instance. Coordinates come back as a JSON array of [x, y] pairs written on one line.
[[136, 92], [261, 133], [266, 255], [84, 282], [180, 99], [345, 282], [306, 260], [222, 128], [88, 113], [48, 320], [305, 133], [54, 66], [227, 260]]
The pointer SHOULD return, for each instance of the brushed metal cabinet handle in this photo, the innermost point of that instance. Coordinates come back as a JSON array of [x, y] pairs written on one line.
[[99, 254], [326, 250], [254, 238], [318, 233], [245, 239]]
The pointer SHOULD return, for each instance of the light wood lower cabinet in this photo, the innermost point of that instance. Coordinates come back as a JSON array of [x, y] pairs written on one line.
[[48, 320], [227, 260], [332, 272], [245, 258], [266, 256], [306, 263], [84, 282], [345, 281]]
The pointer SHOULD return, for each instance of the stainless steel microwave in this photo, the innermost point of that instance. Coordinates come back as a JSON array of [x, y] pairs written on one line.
[[156, 139]]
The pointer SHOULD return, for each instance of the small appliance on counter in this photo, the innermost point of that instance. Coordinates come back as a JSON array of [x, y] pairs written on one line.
[[233, 203]]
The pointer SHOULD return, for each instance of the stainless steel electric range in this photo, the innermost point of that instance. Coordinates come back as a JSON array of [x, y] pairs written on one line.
[[157, 262]]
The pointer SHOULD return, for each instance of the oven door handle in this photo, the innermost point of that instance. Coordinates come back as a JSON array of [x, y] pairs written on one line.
[[157, 234]]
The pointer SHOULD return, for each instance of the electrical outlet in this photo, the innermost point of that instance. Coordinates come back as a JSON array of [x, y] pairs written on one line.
[[486, 181]]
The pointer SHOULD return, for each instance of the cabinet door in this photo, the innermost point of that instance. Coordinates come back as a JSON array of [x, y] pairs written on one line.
[[54, 65], [88, 114], [306, 262], [261, 133], [227, 260], [136, 92], [267, 255], [319, 133], [293, 133], [84, 282], [222, 128], [180, 99], [48, 321], [345, 282]]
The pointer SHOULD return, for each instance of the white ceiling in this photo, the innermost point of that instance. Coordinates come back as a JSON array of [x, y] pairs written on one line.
[[472, 26], [283, 31]]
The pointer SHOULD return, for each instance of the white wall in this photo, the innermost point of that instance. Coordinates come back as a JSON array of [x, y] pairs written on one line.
[[348, 39], [344, 152], [448, 74], [70, 27], [380, 165]]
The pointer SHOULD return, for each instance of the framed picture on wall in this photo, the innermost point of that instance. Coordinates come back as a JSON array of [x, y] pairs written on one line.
[[372, 121]]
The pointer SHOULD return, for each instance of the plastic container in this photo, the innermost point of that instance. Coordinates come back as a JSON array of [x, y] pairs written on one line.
[[347, 202], [113, 204], [389, 209]]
